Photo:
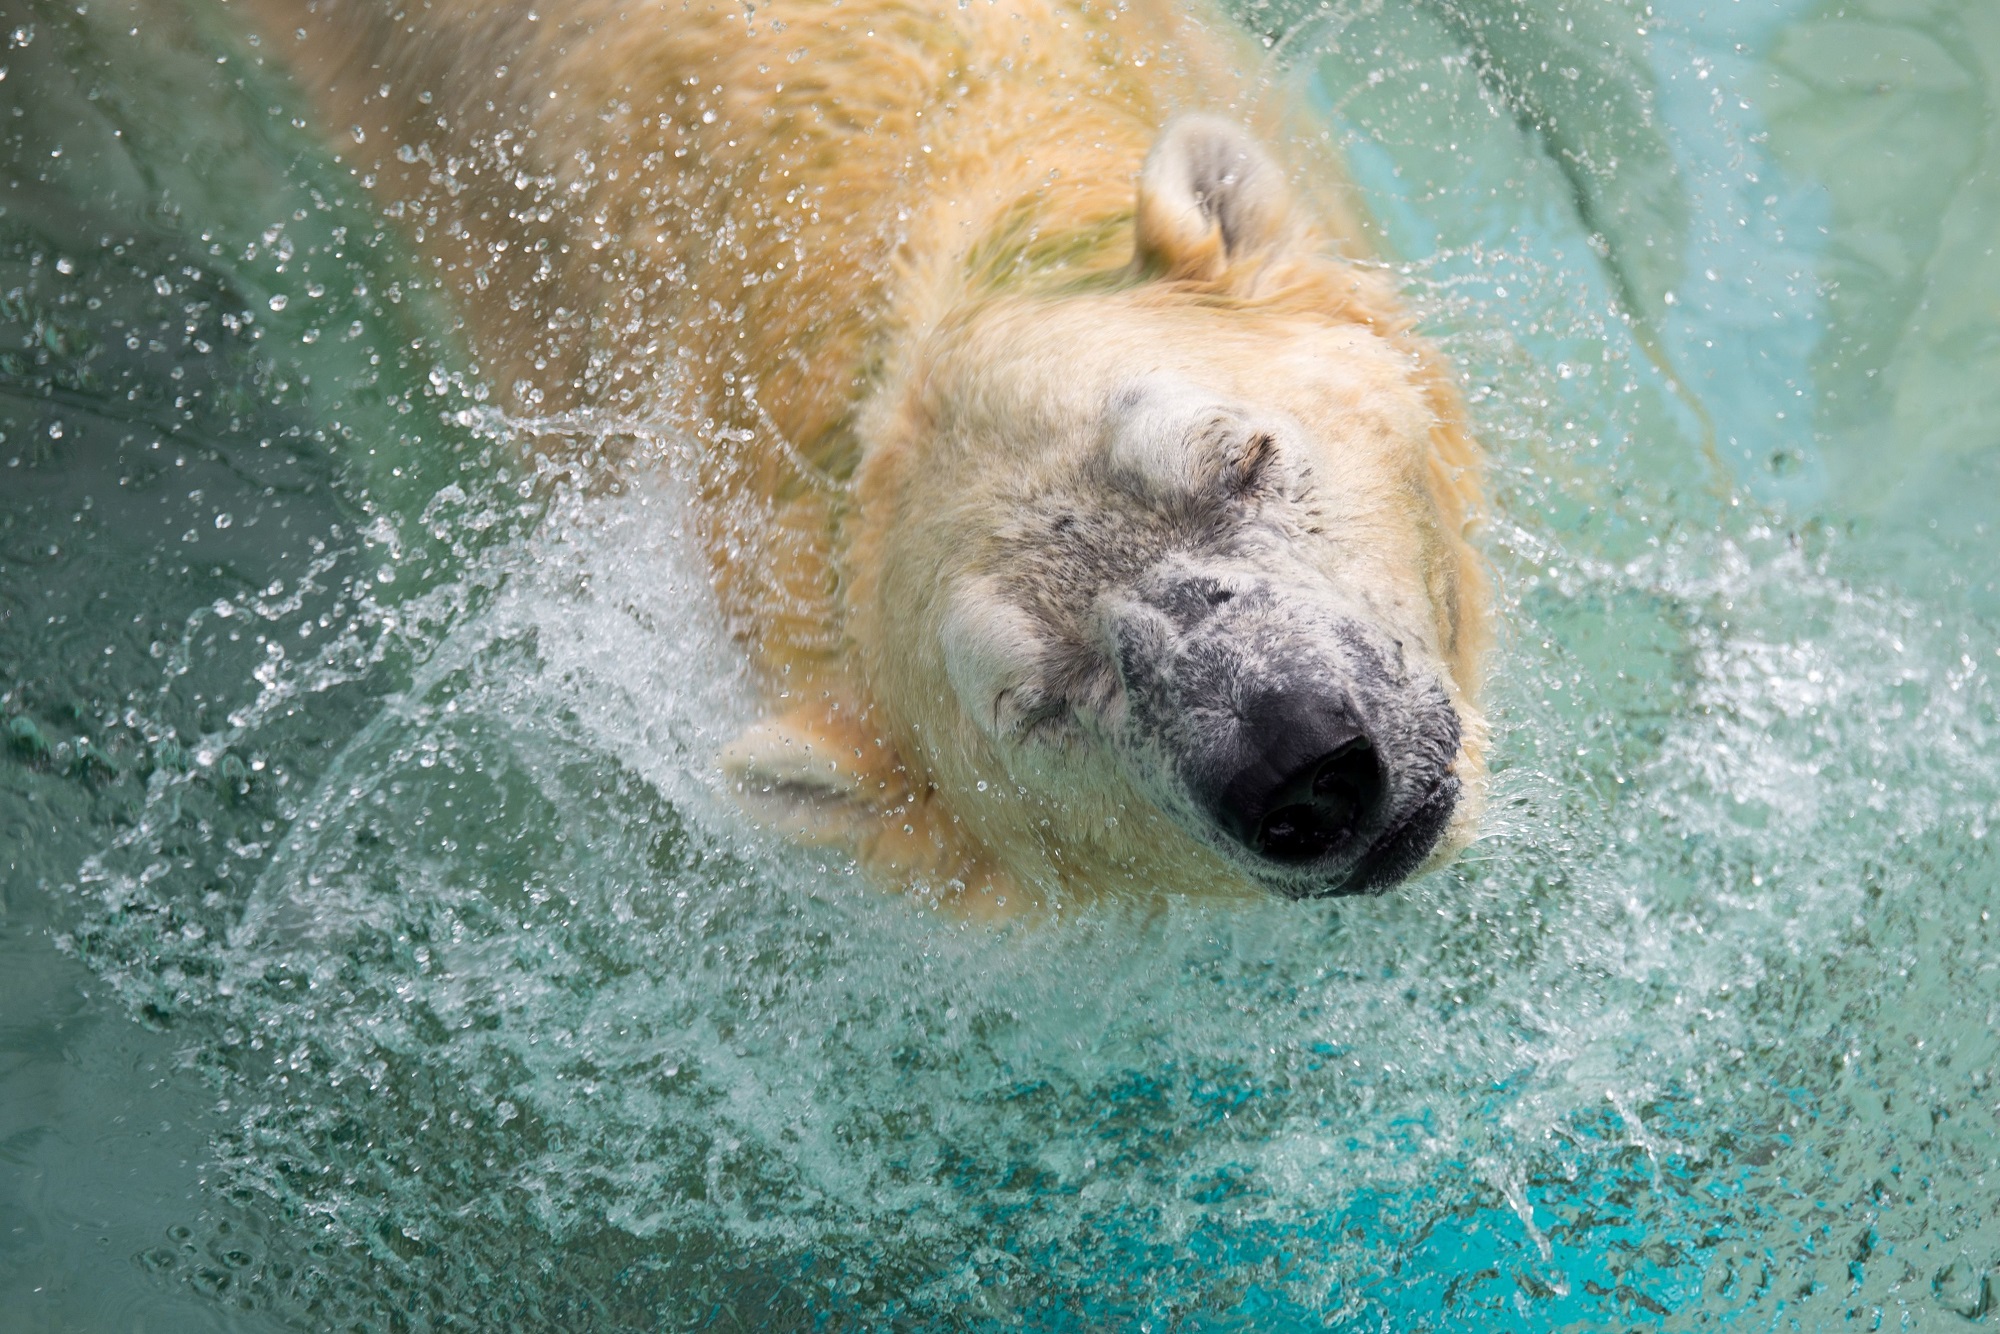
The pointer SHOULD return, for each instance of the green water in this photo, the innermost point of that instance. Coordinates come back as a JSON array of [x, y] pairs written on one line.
[[376, 953]]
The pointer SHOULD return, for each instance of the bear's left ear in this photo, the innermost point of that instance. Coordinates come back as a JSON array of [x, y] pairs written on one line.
[[1209, 196]]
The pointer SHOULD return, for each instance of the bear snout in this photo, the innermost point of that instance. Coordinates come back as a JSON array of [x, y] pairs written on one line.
[[1307, 783], [1294, 739], [1319, 803], [1317, 800]]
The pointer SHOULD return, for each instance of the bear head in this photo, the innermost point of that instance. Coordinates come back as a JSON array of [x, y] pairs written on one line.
[[1163, 581]]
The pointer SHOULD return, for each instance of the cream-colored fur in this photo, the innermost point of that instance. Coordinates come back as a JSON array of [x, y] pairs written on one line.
[[890, 260]]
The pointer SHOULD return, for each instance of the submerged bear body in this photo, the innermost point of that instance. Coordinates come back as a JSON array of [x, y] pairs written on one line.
[[1089, 515]]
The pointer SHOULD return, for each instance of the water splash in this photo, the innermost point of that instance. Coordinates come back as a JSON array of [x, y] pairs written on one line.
[[509, 1020]]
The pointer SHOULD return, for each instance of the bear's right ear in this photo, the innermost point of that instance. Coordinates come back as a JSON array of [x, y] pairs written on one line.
[[1209, 196]]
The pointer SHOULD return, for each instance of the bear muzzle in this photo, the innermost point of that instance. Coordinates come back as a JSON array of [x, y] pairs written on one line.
[[1293, 742], [1310, 801]]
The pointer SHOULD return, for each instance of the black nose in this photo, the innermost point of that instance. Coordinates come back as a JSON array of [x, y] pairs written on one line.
[[1318, 808], [1311, 781]]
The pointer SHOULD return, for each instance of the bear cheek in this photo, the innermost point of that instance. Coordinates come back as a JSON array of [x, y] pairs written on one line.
[[992, 651]]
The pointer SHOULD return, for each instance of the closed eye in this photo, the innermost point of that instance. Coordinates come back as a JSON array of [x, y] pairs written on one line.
[[1228, 454], [1027, 715], [1252, 460], [1173, 442]]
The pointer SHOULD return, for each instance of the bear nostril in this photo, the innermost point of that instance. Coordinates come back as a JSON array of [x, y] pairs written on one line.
[[1347, 774], [1320, 804]]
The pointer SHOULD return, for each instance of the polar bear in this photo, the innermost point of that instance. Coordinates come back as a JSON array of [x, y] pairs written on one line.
[[1090, 514]]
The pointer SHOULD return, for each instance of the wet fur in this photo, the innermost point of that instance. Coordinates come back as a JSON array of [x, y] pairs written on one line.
[[803, 232]]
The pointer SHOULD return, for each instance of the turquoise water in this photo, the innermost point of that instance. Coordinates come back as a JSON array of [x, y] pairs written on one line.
[[376, 954]]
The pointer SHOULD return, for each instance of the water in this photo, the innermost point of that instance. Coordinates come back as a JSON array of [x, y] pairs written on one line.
[[377, 954]]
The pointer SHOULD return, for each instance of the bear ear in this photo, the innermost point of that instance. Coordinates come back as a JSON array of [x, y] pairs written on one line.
[[1209, 195], [804, 774]]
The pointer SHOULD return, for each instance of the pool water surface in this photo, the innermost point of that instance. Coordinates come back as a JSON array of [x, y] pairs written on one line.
[[377, 952]]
